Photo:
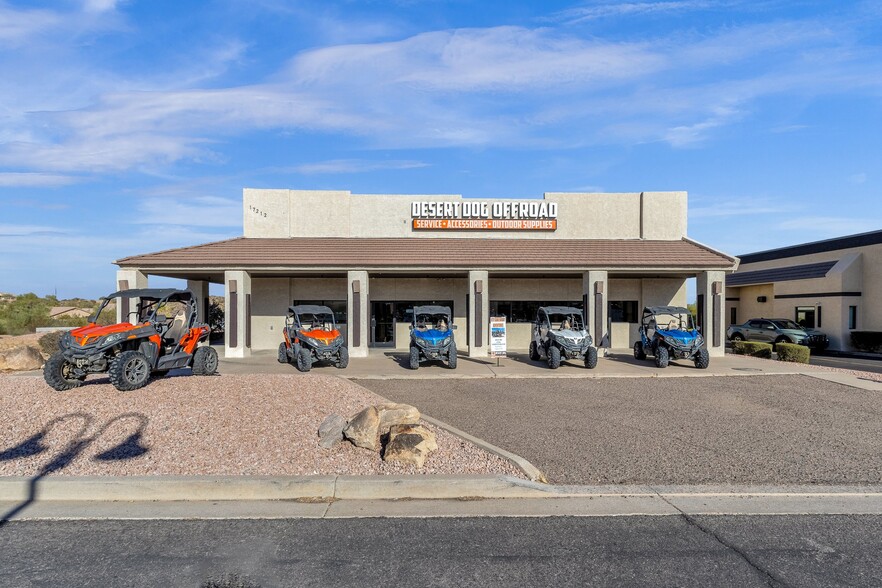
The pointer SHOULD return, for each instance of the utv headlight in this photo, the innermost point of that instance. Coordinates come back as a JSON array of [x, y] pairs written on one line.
[[445, 341], [114, 338]]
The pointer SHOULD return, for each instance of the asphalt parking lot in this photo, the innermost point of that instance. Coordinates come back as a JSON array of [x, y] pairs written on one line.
[[783, 429]]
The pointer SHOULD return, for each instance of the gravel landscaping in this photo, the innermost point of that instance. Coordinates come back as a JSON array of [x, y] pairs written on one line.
[[189, 425]]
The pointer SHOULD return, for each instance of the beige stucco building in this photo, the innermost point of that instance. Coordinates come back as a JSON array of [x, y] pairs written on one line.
[[372, 257], [827, 285]]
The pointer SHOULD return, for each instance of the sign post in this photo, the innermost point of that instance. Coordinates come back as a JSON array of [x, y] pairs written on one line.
[[497, 337]]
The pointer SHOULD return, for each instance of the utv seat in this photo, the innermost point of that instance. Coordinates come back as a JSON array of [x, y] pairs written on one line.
[[176, 330]]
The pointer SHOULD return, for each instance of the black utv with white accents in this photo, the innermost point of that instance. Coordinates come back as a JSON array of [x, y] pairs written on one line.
[[559, 333]]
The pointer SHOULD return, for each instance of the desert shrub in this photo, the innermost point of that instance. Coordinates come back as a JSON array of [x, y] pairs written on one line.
[[792, 352], [24, 314], [867, 341], [49, 342], [752, 348]]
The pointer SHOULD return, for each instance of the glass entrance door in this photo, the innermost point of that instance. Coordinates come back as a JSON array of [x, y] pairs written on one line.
[[382, 324]]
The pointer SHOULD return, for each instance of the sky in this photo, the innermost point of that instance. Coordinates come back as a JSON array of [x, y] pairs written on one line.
[[132, 126]]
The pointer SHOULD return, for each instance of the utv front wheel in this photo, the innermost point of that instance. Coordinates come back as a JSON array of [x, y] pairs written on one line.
[[534, 352], [129, 371], [639, 352], [205, 361], [591, 358], [702, 359], [553, 357], [662, 358], [283, 352], [451, 357], [343, 358], [57, 373], [414, 358], [304, 360]]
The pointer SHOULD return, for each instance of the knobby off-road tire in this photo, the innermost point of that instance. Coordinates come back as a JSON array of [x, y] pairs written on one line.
[[702, 359], [130, 370], [736, 337], [283, 353], [639, 352], [304, 360], [451, 356], [414, 357], [534, 351], [553, 357], [56, 372], [343, 358], [662, 358], [205, 361], [591, 358]]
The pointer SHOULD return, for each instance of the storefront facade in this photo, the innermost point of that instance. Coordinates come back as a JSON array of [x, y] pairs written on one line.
[[825, 285], [371, 258]]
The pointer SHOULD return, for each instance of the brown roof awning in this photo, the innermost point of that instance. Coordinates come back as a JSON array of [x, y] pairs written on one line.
[[355, 253]]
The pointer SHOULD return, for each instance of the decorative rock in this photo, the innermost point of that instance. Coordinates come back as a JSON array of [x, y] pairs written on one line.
[[330, 432], [364, 429], [410, 444], [392, 414], [20, 359]]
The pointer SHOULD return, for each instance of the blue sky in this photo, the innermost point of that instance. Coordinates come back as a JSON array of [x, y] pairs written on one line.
[[132, 126]]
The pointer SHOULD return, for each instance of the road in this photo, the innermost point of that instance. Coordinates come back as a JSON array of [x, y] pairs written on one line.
[[715, 430], [848, 363], [564, 551]]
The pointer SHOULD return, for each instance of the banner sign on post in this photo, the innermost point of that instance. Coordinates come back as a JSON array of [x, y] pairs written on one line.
[[497, 336]]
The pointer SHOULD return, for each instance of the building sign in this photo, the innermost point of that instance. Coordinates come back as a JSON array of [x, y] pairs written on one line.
[[497, 336], [522, 215]]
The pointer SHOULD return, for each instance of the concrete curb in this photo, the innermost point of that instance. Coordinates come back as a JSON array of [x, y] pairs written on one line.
[[533, 473], [383, 488]]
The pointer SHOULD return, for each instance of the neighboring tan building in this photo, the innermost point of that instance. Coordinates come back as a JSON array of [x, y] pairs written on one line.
[[57, 312], [373, 257], [834, 286]]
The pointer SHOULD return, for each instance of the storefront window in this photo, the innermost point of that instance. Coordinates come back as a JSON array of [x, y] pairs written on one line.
[[805, 316], [337, 306], [623, 311], [523, 311]]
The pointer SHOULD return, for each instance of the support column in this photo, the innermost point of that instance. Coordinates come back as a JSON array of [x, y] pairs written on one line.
[[357, 313], [711, 291], [237, 314], [129, 279], [479, 310], [199, 288], [595, 294]]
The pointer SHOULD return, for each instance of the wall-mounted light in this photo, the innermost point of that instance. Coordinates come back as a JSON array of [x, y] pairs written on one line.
[[761, 298]]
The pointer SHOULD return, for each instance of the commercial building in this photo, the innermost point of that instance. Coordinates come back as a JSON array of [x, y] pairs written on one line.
[[372, 257], [834, 286]]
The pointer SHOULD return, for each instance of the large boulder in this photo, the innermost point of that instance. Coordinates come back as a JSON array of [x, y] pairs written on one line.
[[410, 444], [364, 429], [392, 414], [330, 432], [20, 358]]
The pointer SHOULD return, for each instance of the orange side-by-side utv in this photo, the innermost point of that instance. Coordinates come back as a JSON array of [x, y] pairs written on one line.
[[133, 352], [311, 335]]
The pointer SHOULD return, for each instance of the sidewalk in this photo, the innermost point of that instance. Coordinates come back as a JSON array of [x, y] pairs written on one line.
[[619, 363]]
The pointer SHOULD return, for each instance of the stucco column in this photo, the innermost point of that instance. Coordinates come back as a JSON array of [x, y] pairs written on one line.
[[479, 311], [595, 294], [128, 279], [711, 291], [357, 313], [199, 288], [237, 314]]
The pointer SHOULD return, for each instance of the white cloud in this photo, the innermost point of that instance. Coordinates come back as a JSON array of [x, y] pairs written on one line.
[[828, 226], [720, 208], [631, 9], [190, 211], [35, 180], [349, 166], [859, 178]]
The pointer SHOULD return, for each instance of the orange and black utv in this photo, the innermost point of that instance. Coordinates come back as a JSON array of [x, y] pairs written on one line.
[[311, 335], [133, 352]]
